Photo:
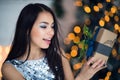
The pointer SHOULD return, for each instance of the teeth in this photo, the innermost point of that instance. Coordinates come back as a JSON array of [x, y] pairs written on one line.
[[48, 39]]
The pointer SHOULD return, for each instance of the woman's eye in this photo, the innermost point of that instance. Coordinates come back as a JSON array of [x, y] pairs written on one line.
[[52, 26], [43, 26]]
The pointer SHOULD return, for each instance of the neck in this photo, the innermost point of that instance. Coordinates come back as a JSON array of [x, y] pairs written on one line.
[[35, 53]]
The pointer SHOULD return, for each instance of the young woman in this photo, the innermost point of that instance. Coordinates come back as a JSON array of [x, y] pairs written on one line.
[[35, 53]]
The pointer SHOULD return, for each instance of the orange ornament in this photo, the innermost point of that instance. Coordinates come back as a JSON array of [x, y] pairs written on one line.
[[96, 8], [76, 39], [74, 47], [114, 52], [101, 23], [73, 53], [109, 73], [71, 36], [106, 78], [80, 45], [77, 29], [77, 66], [67, 41]]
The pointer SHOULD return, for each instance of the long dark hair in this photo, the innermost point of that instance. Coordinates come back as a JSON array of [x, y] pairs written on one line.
[[21, 42]]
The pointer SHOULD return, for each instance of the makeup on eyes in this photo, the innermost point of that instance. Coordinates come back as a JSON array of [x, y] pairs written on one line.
[[45, 24], [52, 25]]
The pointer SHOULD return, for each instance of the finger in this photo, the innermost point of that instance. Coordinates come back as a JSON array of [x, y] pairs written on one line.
[[97, 69], [91, 60], [101, 64], [96, 63]]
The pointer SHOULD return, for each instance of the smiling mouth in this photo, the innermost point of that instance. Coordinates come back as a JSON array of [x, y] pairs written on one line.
[[48, 41]]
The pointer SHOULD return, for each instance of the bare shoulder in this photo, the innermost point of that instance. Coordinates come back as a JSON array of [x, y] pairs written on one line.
[[9, 72]]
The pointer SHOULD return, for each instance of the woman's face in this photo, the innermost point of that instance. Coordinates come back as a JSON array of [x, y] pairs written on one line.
[[42, 31]]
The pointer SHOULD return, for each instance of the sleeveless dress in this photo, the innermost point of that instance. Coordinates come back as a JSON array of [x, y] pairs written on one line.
[[34, 69]]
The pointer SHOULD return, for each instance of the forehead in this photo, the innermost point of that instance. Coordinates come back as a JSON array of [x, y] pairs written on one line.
[[45, 17]]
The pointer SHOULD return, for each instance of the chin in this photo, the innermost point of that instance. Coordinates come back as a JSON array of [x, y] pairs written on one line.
[[45, 47]]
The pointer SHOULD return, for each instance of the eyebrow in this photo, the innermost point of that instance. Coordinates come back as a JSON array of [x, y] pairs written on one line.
[[46, 22]]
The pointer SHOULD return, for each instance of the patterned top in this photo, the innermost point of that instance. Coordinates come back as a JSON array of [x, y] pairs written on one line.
[[34, 69]]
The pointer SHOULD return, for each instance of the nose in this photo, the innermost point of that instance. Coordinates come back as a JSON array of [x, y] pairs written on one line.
[[50, 32]]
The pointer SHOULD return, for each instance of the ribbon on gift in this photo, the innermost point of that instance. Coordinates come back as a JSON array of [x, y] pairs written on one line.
[[102, 49], [91, 44]]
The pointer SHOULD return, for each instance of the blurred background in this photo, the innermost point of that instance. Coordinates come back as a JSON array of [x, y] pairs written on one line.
[[78, 20]]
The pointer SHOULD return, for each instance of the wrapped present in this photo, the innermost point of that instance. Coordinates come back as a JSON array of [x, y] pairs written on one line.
[[103, 45]]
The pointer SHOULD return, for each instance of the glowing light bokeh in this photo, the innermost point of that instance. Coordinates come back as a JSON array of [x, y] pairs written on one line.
[[87, 9]]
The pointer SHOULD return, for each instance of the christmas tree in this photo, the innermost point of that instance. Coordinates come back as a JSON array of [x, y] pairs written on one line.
[[89, 14]]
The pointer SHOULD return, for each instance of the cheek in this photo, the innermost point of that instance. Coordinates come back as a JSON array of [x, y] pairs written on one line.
[[36, 36], [35, 33]]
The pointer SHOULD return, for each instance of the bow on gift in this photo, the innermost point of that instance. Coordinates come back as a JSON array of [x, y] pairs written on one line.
[[91, 44]]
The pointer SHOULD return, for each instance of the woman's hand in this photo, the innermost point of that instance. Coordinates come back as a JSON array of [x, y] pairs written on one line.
[[90, 68]]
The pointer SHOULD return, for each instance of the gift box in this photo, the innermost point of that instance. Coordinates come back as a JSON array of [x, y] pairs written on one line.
[[103, 45]]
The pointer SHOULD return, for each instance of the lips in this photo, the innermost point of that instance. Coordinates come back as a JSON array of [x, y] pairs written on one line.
[[48, 41]]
